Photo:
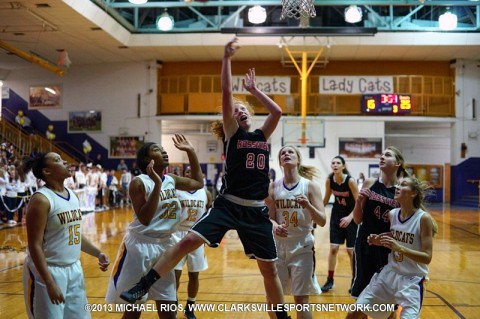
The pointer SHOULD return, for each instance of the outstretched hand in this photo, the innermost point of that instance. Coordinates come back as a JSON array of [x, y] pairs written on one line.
[[231, 47], [249, 81], [182, 143]]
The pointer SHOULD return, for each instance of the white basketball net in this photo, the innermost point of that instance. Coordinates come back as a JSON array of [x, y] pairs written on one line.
[[298, 9]]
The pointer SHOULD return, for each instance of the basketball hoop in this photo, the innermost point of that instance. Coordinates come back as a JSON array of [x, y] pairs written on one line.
[[298, 9]]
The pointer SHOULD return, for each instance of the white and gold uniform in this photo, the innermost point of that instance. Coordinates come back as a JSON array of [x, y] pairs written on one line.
[[194, 205], [296, 254], [402, 281], [61, 246], [143, 245]]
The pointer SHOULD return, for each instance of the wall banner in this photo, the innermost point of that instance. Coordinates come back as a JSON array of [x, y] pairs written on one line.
[[279, 85], [355, 84]]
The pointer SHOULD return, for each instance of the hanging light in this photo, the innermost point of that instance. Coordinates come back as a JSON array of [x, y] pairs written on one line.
[[353, 14], [447, 21], [138, 1], [257, 14], [165, 21]]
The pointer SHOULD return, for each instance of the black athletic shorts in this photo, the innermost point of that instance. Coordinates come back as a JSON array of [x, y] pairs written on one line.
[[368, 260], [338, 235], [252, 224]]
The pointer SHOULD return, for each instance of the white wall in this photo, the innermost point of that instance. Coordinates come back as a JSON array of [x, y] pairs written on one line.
[[110, 88], [113, 89], [467, 129]]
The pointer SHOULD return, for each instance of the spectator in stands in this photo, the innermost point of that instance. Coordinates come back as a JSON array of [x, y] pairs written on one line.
[[125, 180], [112, 184], [98, 160], [24, 122], [3, 190], [135, 170], [71, 181], [122, 165]]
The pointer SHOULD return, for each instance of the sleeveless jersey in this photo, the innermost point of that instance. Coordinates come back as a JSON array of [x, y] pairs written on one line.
[[344, 201], [167, 214], [246, 165], [377, 206], [62, 239], [297, 221], [194, 205], [407, 232]]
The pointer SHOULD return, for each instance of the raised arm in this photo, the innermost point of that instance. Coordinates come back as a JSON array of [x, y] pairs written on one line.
[[145, 207], [274, 110], [185, 183], [230, 125]]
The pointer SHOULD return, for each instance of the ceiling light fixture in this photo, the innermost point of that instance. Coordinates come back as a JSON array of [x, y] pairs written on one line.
[[257, 15], [137, 1], [353, 14], [447, 21], [165, 21]]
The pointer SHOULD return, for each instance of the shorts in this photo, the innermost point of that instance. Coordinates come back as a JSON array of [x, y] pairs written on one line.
[[196, 260], [389, 287], [368, 260], [136, 256], [296, 265], [252, 224], [70, 281], [338, 235]]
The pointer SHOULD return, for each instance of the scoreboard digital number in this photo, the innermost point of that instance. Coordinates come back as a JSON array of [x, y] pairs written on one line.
[[386, 103]]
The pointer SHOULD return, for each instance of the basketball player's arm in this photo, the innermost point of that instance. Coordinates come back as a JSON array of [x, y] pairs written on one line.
[[314, 205], [345, 221], [209, 199], [143, 207], [89, 248], [278, 229], [36, 220], [185, 183], [274, 110], [360, 202], [328, 192], [230, 125]]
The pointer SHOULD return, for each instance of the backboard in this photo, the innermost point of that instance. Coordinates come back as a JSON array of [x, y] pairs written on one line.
[[294, 134]]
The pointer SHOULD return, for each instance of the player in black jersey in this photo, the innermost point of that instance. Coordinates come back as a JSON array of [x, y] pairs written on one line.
[[240, 205], [372, 206], [345, 190]]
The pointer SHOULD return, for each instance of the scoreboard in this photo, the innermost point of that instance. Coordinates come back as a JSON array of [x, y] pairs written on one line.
[[386, 103]]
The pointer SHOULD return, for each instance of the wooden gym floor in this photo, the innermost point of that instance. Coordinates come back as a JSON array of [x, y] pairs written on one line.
[[453, 291]]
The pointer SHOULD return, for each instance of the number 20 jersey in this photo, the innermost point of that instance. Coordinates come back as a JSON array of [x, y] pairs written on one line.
[[288, 212], [247, 156]]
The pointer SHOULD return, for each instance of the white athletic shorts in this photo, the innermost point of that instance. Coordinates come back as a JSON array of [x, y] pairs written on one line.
[[70, 281], [136, 256], [296, 265], [389, 287], [196, 260]]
